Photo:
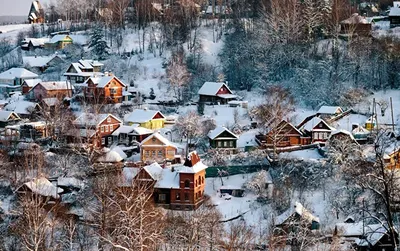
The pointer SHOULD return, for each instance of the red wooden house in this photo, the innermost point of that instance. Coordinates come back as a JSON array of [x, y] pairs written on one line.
[[321, 131], [95, 129], [105, 89], [283, 135], [215, 93], [180, 187]]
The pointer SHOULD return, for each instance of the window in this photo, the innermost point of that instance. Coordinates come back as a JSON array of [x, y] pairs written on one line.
[[230, 143], [133, 137], [225, 144], [110, 140], [186, 196], [153, 139], [196, 196], [102, 128], [202, 179], [146, 153], [160, 153], [111, 128], [106, 128], [320, 125], [103, 141], [219, 143], [325, 135], [153, 153], [178, 196], [196, 183], [113, 90], [109, 119], [187, 183], [161, 197], [315, 135]]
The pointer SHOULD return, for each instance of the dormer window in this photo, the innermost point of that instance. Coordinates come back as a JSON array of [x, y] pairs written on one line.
[[109, 119], [320, 125]]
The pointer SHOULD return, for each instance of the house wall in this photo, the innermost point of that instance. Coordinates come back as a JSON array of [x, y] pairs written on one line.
[[152, 124], [40, 93], [223, 90], [194, 193], [158, 153]]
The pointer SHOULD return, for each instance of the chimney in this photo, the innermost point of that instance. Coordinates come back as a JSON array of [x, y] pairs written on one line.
[[145, 108], [106, 73]]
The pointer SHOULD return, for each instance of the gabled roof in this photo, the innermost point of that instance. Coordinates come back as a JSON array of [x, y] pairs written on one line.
[[141, 116], [341, 131], [394, 12], [133, 129], [21, 107], [280, 125], [211, 88], [356, 19], [329, 109], [373, 234], [14, 73], [32, 82], [86, 64], [112, 155], [315, 128], [92, 119], [103, 81], [219, 130], [56, 85], [296, 209], [158, 136], [58, 38], [5, 115], [43, 187], [35, 61], [193, 164]]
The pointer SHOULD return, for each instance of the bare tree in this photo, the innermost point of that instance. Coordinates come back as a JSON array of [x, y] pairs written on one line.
[[178, 75], [189, 126]]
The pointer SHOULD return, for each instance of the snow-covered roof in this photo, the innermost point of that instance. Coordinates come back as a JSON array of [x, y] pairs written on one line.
[[133, 129], [158, 136], [58, 38], [128, 173], [326, 124], [211, 88], [373, 234], [330, 110], [218, 130], [311, 124], [350, 229], [37, 41], [56, 85], [86, 64], [141, 116], [51, 101], [102, 81], [44, 187], [394, 12], [342, 131], [5, 115], [193, 164], [112, 155], [298, 209], [165, 178], [79, 39], [20, 107], [14, 73], [35, 61], [70, 182], [356, 19], [32, 82], [93, 119]]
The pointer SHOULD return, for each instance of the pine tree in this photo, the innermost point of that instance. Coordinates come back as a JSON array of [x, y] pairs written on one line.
[[97, 43]]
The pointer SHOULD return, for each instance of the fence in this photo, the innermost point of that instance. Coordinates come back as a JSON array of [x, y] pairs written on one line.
[[212, 171]]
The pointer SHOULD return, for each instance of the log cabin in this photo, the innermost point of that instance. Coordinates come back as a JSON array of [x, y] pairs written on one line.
[[222, 138]]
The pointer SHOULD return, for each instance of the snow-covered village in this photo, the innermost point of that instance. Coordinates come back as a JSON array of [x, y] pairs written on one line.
[[214, 125]]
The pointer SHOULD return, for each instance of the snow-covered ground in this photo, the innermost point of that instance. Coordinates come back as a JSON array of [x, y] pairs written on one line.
[[308, 154], [10, 32]]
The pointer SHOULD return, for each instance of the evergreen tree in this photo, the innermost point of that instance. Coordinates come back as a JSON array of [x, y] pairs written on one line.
[[97, 43]]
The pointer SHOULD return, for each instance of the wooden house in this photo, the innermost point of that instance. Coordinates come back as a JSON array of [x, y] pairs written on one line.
[[156, 148], [179, 187], [342, 136], [376, 237], [321, 131], [221, 137], [327, 112], [56, 89], [36, 13], [78, 73], [283, 135], [42, 188], [16, 76], [30, 44], [58, 42], [41, 63], [25, 132], [146, 118], [356, 24], [104, 89], [28, 84], [24, 109], [296, 216], [212, 92], [95, 129], [8, 118], [131, 135], [391, 156]]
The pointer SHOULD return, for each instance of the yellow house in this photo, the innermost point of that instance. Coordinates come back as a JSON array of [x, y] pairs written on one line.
[[59, 42], [146, 118], [156, 148]]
